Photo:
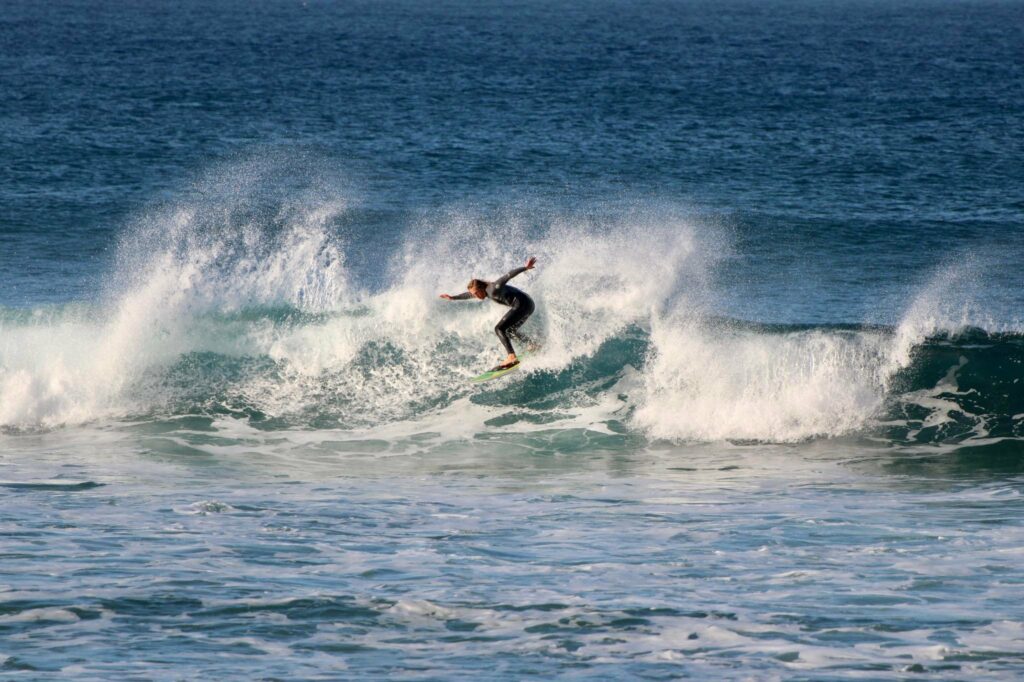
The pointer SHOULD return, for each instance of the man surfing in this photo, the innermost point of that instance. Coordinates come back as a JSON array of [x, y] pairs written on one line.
[[501, 292]]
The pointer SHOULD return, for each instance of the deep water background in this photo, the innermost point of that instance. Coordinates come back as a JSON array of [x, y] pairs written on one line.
[[777, 429], [873, 139]]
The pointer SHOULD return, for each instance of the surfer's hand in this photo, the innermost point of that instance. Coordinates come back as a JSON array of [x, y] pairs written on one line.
[[446, 297], [531, 262]]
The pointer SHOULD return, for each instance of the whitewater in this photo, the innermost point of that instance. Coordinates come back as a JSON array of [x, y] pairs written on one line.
[[243, 306]]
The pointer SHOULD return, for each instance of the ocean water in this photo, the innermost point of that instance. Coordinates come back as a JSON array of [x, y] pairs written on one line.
[[776, 428]]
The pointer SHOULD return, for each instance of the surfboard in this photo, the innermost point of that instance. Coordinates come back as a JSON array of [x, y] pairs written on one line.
[[495, 373]]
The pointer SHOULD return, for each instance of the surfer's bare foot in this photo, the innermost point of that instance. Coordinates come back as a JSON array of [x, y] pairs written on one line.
[[509, 361]]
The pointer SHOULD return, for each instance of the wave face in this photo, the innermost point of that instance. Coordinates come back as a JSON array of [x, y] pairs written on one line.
[[244, 303]]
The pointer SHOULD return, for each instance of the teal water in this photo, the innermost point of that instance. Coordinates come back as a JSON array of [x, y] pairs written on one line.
[[776, 428]]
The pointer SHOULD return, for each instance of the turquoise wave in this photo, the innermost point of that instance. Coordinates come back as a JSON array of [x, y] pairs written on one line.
[[959, 387]]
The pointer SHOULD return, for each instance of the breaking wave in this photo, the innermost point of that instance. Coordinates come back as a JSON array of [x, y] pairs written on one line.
[[245, 303]]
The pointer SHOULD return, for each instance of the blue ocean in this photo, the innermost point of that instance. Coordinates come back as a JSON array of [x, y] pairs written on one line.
[[775, 428]]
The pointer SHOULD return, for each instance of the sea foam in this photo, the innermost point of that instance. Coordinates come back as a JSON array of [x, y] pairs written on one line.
[[240, 300]]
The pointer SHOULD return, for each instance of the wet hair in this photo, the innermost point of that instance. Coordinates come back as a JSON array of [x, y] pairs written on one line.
[[476, 284]]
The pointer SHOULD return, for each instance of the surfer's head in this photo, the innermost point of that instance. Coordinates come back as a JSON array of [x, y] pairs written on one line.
[[478, 288]]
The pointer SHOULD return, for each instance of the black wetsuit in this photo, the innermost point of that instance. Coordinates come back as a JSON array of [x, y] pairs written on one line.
[[521, 308]]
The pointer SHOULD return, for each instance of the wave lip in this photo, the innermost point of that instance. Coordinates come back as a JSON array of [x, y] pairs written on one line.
[[720, 383], [742, 382]]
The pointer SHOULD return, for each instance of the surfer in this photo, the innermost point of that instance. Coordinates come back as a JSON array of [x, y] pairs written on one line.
[[501, 292]]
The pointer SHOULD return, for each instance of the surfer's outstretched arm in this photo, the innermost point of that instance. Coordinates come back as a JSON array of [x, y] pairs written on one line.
[[465, 295], [501, 281]]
